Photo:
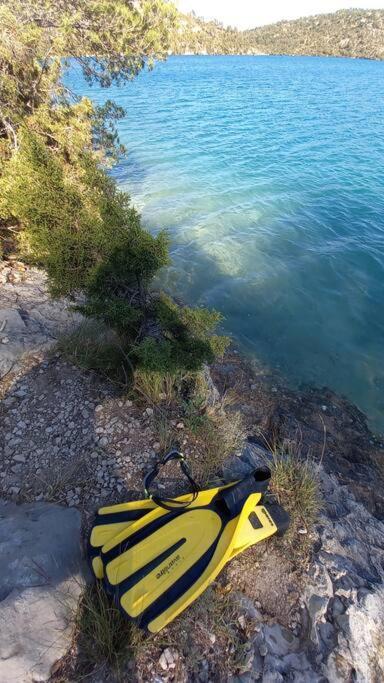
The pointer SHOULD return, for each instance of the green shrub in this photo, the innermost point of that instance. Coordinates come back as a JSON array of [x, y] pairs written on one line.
[[69, 216]]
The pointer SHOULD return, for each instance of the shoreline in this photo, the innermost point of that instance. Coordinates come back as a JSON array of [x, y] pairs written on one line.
[[271, 408], [73, 442], [274, 54]]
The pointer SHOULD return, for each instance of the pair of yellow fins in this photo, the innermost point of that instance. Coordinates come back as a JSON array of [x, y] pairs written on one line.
[[157, 555]]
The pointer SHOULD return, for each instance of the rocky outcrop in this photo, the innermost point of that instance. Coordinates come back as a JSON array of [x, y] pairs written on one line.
[[30, 320], [41, 576], [341, 629]]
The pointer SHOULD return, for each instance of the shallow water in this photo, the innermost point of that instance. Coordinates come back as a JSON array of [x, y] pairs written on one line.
[[268, 172]]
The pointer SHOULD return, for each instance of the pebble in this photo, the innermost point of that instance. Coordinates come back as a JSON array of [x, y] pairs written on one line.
[[263, 650], [19, 457], [168, 658], [241, 621], [163, 662]]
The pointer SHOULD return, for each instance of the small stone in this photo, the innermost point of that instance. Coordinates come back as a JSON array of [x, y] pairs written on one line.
[[98, 408], [241, 621], [103, 441], [19, 457], [212, 638], [324, 409], [163, 662], [5, 340], [148, 411], [156, 446], [180, 425], [302, 531], [171, 656], [14, 490], [263, 650]]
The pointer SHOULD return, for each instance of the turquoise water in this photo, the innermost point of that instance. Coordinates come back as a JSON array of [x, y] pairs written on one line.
[[268, 173]]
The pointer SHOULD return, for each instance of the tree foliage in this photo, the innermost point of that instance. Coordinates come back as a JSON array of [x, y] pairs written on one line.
[[58, 205]]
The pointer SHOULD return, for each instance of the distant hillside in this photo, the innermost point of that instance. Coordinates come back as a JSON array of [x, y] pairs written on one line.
[[348, 33], [196, 36]]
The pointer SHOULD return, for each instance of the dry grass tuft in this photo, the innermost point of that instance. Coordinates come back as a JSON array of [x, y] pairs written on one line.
[[154, 387], [209, 629], [295, 483], [93, 346], [56, 479], [104, 636], [219, 434]]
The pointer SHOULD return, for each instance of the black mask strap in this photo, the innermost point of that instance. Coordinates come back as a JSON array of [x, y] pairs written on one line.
[[171, 503]]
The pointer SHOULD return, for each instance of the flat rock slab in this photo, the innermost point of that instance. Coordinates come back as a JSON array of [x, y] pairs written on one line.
[[30, 321], [42, 572]]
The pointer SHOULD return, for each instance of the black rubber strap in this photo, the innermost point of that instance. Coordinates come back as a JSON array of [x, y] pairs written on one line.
[[171, 503]]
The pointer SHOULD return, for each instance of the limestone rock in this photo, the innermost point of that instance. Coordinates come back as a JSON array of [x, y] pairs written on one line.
[[29, 319], [41, 576]]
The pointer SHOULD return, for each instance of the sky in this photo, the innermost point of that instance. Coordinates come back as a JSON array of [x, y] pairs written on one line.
[[250, 13]]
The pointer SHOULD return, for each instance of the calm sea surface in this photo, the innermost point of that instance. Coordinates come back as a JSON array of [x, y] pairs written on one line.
[[268, 173]]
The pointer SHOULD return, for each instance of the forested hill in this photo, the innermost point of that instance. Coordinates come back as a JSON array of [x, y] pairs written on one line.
[[348, 33]]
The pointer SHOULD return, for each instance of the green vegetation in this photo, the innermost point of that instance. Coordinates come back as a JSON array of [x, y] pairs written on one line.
[[193, 35], [59, 207], [295, 484], [218, 431], [93, 346], [349, 33], [104, 636], [213, 430]]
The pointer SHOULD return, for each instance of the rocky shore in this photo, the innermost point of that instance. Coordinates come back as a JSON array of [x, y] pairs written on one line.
[[70, 441]]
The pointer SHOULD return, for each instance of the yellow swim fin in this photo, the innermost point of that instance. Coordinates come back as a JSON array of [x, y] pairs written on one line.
[[163, 561], [112, 520]]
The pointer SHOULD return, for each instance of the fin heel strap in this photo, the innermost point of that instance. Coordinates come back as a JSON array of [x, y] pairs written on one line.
[[256, 482]]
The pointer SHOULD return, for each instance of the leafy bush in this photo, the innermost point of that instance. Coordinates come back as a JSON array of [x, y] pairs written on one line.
[[67, 214]]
